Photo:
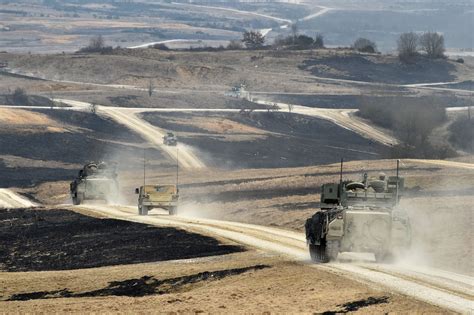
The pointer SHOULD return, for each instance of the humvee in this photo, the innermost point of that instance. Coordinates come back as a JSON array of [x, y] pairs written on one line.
[[157, 196], [170, 139], [359, 217], [95, 181]]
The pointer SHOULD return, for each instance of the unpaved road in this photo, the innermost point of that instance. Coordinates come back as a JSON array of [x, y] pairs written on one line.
[[444, 163], [181, 153], [10, 199], [344, 118], [446, 289]]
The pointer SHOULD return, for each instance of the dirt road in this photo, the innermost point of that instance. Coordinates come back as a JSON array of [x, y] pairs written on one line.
[[181, 153], [154, 136], [344, 118], [444, 163], [446, 289], [10, 199]]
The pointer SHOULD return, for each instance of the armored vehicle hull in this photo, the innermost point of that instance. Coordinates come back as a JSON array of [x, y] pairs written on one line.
[[361, 217], [96, 181]]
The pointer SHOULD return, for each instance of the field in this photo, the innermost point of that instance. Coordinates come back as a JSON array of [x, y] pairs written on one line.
[[259, 132]]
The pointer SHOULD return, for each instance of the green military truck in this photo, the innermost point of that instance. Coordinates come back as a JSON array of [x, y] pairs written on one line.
[[95, 181], [361, 217], [157, 196]]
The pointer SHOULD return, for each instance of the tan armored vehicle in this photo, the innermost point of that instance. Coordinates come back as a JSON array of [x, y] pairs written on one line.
[[361, 217], [170, 139], [157, 196], [95, 181]]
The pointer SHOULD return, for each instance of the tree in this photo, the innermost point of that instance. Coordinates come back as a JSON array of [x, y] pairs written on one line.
[[151, 88], [234, 45], [319, 41], [433, 44], [407, 46], [253, 39], [365, 45], [96, 43], [294, 30], [20, 97]]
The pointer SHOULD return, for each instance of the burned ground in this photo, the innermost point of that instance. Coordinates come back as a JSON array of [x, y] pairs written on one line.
[[275, 140], [37, 239], [80, 137]]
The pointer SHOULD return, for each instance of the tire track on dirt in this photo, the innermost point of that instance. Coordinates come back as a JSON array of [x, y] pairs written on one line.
[[434, 286]]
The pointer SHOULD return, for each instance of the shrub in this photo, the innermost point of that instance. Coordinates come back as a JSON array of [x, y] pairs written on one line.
[[20, 97], [365, 45], [319, 41], [253, 39], [462, 133], [235, 45]]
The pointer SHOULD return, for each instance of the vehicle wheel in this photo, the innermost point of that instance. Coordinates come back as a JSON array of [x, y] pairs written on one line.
[[142, 210], [386, 257], [313, 250], [173, 211], [332, 250], [77, 200]]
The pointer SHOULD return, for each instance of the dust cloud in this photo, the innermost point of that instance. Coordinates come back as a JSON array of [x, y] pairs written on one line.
[[442, 234]]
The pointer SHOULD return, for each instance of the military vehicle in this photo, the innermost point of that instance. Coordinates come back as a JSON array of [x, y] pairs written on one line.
[[359, 217], [95, 181], [157, 196], [170, 139]]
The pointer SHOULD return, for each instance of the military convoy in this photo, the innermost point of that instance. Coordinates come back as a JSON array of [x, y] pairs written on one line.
[[359, 216], [95, 181], [157, 196]]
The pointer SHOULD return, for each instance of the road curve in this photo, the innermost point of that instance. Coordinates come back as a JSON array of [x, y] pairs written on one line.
[[445, 289], [181, 153], [10, 199], [344, 118]]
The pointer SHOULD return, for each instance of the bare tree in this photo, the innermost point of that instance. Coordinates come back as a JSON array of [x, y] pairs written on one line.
[[151, 88], [253, 39], [433, 44], [294, 30], [407, 45], [234, 45], [96, 43], [290, 108], [365, 45], [319, 41]]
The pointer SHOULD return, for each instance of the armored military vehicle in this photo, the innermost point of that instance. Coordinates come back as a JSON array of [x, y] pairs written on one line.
[[170, 139], [157, 196], [95, 181], [359, 216]]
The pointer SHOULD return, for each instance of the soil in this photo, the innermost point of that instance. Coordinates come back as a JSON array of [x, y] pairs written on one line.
[[57, 239], [301, 137]]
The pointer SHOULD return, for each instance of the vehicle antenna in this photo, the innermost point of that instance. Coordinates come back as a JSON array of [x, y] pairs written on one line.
[[144, 168], [340, 182], [177, 166]]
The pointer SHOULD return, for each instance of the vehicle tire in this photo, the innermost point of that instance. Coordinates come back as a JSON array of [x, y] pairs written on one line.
[[332, 250], [386, 258], [313, 252], [77, 200], [173, 211]]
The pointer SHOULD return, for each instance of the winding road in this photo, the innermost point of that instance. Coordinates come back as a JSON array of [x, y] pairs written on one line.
[[438, 287]]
